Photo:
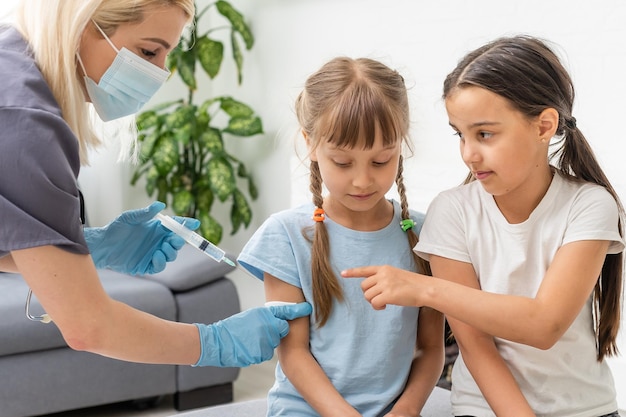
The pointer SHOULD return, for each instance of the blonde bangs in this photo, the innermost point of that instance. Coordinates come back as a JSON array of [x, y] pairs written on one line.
[[359, 113]]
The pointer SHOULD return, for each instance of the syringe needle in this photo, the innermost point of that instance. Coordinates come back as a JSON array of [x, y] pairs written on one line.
[[229, 262]]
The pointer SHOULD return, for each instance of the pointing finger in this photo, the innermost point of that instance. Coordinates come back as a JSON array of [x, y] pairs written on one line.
[[360, 272]]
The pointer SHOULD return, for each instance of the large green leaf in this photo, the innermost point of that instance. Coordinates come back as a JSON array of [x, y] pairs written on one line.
[[202, 121], [221, 177], [242, 172], [244, 126], [176, 183], [147, 120], [147, 145], [235, 108], [162, 189], [211, 140], [252, 190], [204, 195], [171, 62], [165, 155], [237, 21], [237, 56], [210, 228], [210, 54], [240, 211], [184, 133], [204, 108], [151, 180], [186, 63], [235, 219], [182, 116], [182, 202]]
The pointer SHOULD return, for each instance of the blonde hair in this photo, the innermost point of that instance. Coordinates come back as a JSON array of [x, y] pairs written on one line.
[[53, 29], [344, 103]]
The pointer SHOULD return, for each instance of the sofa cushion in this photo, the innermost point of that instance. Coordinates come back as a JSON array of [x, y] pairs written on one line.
[[191, 269], [20, 335]]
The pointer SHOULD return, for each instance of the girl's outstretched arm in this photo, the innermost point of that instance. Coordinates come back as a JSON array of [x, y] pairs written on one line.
[[479, 351], [427, 365], [296, 359], [537, 322]]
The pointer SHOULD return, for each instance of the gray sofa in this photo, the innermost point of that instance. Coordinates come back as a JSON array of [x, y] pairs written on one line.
[[39, 374]]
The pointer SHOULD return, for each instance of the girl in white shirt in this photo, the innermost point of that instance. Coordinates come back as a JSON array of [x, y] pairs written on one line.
[[528, 252]]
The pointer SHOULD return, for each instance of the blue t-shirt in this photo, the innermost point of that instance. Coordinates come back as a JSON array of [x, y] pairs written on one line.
[[39, 158], [365, 353]]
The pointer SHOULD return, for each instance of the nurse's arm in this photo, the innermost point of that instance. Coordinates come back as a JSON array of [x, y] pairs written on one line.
[[69, 289], [7, 264]]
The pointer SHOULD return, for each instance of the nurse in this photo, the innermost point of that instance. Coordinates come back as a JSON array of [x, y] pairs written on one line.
[[58, 56]]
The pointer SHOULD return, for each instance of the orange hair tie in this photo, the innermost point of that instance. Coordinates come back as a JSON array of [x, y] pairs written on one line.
[[319, 215]]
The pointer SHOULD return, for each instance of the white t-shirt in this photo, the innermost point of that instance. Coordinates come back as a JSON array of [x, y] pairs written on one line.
[[466, 225]]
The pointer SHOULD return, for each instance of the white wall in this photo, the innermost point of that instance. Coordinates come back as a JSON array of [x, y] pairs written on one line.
[[6, 8], [423, 40]]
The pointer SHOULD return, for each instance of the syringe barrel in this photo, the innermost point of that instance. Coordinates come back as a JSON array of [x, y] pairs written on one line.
[[204, 245], [192, 237]]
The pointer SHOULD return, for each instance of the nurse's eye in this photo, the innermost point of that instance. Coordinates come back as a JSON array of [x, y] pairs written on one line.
[[485, 135], [148, 53], [457, 133]]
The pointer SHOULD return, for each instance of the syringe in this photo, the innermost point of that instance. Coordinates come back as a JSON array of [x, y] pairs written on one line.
[[194, 239]]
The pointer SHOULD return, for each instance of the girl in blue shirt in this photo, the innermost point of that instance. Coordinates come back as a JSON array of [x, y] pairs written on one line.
[[348, 359]]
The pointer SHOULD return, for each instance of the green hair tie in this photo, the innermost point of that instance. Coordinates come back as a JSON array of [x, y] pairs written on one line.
[[407, 224]]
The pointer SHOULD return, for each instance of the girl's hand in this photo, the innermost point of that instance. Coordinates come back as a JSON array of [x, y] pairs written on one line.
[[388, 285]]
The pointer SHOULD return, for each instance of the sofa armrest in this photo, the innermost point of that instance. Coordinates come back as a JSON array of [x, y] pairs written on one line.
[[191, 269]]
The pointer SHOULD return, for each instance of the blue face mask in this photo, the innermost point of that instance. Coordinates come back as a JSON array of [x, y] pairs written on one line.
[[126, 86]]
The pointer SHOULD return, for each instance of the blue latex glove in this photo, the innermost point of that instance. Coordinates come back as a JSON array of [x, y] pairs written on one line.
[[247, 338], [134, 243]]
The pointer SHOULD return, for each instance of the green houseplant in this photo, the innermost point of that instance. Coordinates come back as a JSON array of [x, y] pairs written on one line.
[[182, 154]]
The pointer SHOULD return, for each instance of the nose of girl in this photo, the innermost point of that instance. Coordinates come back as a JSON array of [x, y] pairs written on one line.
[[362, 178], [469, 152]]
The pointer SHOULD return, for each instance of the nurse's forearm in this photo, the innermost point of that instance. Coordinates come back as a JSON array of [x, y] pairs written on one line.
[[132, 335], [69, 289]]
